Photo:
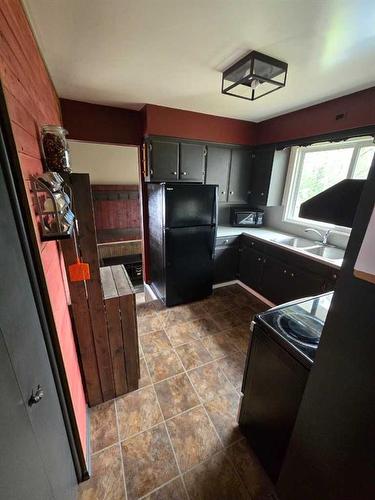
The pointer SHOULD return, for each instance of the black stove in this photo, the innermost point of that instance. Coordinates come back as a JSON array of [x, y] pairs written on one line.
[[299, 323]]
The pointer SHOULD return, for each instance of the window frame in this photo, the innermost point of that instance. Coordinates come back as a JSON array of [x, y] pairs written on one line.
[[294, 173]]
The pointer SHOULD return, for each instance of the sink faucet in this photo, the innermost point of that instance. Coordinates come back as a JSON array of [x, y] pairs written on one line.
[[324, 236]]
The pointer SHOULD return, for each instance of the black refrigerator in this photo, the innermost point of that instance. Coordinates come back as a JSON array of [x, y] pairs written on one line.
[[182, 231]]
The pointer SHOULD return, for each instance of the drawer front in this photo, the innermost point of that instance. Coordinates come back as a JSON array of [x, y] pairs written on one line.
[[227, 241], [254, 244]]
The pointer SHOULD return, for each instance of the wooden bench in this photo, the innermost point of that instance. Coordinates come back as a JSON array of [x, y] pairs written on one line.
[[120, 311]]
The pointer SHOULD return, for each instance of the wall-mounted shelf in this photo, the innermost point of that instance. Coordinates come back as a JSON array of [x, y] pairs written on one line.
[[53, 204]]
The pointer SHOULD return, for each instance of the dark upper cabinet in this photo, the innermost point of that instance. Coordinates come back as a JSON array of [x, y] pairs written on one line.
[[217, 169], [163, 160], [261, 170], [192, 159], [240, 176]]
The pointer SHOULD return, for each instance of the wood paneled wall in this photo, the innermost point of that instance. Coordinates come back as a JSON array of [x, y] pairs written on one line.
[[32, 102], [115, 213]]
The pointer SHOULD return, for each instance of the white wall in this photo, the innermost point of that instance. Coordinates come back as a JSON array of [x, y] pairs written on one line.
[[106, 163]]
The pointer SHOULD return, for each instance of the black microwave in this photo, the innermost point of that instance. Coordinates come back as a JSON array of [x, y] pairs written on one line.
[[246, 217]]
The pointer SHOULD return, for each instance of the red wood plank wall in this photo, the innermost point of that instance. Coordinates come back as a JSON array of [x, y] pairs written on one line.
[[358, 110], [115, 214], [32, 101]]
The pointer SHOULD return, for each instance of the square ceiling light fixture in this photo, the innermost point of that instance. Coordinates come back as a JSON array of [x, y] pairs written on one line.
[[254, 76]]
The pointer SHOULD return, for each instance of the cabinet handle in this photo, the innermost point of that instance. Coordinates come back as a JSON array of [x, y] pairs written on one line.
[[174, 173], [252, 243], [292, 275], [223, 192], [261, 194], [284, 271], [184, 173], [334, 276], [259, 259], [230, 192], [151, 171], [264, 261], [226, 242]]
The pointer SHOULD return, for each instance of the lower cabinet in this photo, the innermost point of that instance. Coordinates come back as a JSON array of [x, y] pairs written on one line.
[[251, 267], [281, 283], [280, 275], [226, 263]]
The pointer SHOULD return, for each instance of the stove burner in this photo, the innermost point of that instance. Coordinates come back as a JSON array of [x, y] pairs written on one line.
[[302, 328]]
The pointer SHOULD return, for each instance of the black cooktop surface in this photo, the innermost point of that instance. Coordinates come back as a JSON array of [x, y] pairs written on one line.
[[300, 323]]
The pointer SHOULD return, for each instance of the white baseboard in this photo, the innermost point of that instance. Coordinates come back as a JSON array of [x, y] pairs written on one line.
[[248, 289]]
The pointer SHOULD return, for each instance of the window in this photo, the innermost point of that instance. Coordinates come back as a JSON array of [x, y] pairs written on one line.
[[315, 168]]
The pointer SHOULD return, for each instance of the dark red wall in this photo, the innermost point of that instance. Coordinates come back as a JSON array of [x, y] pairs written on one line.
[[358, 110], [91, 122], [32, 101], [190, 125]]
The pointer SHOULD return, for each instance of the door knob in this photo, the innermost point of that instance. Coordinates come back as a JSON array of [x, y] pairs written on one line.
[[37, 396]]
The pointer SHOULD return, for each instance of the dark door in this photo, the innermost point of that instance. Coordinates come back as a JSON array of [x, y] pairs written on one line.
[[226, 263], [22, 473], [190, 205], [261, 176], [192, 157], [251, 267], [25, 345], [189, 264], [240, 172], [164, 160], [217, 169]]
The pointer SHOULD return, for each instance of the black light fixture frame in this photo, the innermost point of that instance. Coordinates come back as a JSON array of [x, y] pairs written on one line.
[[251, 56]]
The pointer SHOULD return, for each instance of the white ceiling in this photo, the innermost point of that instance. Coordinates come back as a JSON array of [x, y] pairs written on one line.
[[171, 52]]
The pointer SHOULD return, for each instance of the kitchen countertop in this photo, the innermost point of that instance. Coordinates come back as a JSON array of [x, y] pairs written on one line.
[[272, 236]]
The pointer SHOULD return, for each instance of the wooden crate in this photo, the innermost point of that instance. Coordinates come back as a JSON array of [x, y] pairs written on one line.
[[120, 310]]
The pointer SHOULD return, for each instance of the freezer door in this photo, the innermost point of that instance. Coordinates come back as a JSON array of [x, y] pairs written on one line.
[[189, 264], [189, 205]]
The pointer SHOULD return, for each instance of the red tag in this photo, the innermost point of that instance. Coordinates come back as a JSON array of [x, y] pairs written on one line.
[[79, 271]]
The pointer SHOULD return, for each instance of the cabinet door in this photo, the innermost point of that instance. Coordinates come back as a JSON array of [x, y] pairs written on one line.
[[192, 158], [251, 267], [301, 284], [261, 169], [281, 283], [274, 280], [239, 180], [226, 263], [164, 158], [218, 163]]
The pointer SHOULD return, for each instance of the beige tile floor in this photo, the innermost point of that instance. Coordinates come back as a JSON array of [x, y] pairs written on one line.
[[176, 437]]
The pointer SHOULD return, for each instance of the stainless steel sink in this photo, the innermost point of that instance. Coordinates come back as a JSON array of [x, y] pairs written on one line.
[[331, 253], [296, 242]]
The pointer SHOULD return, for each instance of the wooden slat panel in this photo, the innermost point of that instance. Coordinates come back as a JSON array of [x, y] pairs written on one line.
[[84, 334], [82, 205], [129, 325], [112, 307]]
